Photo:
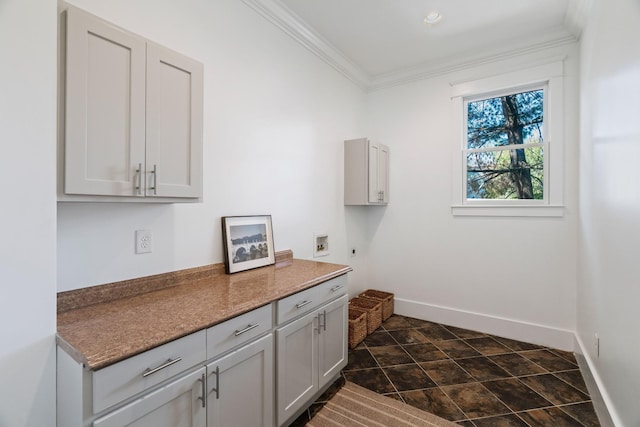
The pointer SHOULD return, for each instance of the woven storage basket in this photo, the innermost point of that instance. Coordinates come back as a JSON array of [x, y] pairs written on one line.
[[373, 309], [385, 297], [357, 326]]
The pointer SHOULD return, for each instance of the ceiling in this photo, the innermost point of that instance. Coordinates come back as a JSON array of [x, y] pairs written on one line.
[[378, 43]]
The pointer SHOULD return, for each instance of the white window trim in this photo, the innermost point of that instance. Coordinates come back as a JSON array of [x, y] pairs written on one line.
[[551, 75]]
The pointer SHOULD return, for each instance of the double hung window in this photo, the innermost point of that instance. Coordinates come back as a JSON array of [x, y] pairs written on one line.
[[508, 156]]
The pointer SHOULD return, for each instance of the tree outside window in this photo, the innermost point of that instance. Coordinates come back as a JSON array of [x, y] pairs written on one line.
[[505, 148]]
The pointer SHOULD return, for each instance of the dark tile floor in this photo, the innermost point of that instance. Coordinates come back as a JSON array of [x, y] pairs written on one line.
[[471, 378]]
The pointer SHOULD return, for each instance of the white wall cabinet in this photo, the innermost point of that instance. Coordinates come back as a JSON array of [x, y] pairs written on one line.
[[133, 115], [311, 351], [240, 387], [366, 172]]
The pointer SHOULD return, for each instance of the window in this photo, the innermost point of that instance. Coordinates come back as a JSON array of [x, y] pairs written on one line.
[[509, 155], [505, 146]]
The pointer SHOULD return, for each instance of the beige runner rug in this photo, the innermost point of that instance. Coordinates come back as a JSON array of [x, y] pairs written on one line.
[[357, 406]]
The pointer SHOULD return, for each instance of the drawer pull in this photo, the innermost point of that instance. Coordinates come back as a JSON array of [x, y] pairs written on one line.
[[336, 287], [302, 304], [247, 329], [168, 363]]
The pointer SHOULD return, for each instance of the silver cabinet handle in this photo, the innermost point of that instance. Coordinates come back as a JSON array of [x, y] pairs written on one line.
[[204, 390], [322, 325], [247, 329], [217, 387], [335, 288], [168, 363], [154, 172], [303, 303], [139, 179]]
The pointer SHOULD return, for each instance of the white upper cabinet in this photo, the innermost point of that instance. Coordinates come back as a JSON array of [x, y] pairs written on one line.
[[366, 172], [133, 115]]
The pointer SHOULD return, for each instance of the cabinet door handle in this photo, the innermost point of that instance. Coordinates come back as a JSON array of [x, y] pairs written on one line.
[[322, 325], [217, 387], [204, 390], [335, 288], [303, 303], [247, 329], [168, 363], [139, 179], [154, 173]]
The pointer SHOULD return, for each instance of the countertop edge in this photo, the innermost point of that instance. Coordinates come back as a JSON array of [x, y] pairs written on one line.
[[79, 357]]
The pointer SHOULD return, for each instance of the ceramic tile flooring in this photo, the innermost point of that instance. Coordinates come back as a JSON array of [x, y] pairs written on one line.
[[468, 377]]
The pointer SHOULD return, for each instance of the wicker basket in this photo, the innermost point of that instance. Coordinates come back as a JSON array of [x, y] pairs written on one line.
[[357, 326], [385, 297], [373, 309]]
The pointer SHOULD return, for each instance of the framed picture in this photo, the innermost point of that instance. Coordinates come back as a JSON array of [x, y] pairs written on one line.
[[248, 242]]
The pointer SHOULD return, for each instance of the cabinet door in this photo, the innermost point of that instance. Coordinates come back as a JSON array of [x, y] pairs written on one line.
[[332, 340], [374, 187], [383, 172], [378, 159], [105, 107], [174, 124], [240, 387], [297, 367], [177, 404]]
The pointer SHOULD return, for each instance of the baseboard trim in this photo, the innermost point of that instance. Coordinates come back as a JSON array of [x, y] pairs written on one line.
[[561, 339], [601, 400]]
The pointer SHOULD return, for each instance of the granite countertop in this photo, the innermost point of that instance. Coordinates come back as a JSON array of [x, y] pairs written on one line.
[[102, 333]]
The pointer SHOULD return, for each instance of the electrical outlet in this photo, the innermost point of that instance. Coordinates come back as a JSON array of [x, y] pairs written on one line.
[[143, 241], [596, 344], [352, 252]]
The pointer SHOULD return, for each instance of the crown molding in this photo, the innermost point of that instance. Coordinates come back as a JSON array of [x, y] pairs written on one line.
[[289, 22], [469, 60], [577, 14]]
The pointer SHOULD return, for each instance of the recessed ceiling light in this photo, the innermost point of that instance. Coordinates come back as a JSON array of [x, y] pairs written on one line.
[[432, 17]]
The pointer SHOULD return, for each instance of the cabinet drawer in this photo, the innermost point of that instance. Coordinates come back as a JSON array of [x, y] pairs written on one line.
[[332, 288], [124, 379], [304, 301], [297, 304], [238, 330]]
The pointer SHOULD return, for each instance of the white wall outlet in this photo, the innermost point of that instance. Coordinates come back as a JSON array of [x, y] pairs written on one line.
[[352, 252], [143, 241]]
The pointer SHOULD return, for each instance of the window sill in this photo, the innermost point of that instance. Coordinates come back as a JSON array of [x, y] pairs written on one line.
[[508, 211]]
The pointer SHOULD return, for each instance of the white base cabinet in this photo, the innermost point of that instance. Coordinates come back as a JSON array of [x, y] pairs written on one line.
[[227, 375], [240, 387], [177, 404], [311, 351]]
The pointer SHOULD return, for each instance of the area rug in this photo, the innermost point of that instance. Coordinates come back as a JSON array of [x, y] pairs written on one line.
[[357, 406]]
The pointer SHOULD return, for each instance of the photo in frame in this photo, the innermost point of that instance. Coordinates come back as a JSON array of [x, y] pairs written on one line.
[[248, 242]]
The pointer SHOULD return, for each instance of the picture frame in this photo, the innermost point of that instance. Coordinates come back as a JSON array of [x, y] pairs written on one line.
[[248, 242]]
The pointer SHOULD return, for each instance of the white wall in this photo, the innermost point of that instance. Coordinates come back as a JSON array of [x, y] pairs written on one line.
[[608, 285], [27, 216], [509, 276], [275, 117]]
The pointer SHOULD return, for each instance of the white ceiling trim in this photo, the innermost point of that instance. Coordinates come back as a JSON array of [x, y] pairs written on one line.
[[289, 22]]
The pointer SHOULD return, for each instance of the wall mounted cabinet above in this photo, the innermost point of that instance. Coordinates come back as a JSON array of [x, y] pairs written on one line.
[[132, 116], [366, 172]]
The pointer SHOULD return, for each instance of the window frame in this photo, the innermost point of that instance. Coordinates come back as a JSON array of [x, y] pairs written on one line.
[[548, 77]]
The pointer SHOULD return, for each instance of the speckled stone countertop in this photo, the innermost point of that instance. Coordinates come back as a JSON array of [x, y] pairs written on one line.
[[101, 325]]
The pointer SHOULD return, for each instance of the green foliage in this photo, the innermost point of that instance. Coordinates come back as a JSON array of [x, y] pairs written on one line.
[[496, 172]]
